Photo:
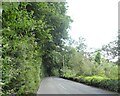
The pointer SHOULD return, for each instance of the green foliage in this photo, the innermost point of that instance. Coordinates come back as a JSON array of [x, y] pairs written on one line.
[[110, 50], [98, 57], [33, 38], [97, 81], [31, 32], [56, 18], [81, 46], [93, 70], [77, 62]]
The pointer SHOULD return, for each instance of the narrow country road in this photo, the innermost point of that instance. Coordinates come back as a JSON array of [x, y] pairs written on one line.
[[54, 85]]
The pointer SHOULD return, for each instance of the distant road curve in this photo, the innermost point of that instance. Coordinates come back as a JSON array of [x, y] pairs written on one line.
[[55, 85]]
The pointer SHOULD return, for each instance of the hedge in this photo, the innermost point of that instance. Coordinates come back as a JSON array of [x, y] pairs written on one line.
[[97, 81]]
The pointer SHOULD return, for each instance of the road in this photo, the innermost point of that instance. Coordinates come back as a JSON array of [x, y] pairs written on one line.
[[54, 85]]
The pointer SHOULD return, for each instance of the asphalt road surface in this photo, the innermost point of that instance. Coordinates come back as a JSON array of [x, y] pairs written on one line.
[[54, 85]]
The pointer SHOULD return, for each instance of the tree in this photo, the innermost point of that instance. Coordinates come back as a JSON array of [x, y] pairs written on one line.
[[31, 32], [98, 57], [110, 50], [81, 46]]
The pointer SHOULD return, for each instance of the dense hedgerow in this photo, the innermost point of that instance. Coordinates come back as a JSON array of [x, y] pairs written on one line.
[[29, 31], [97, 81]]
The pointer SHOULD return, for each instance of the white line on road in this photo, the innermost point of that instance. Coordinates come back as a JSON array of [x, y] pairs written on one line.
[[64, 88]]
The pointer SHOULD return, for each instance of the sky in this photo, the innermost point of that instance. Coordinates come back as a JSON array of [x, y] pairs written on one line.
[[94, 20]]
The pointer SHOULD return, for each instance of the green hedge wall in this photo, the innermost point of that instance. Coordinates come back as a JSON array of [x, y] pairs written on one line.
[[97, 81]]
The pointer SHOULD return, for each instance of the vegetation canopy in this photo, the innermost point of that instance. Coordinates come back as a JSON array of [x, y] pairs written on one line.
[[36, 44]]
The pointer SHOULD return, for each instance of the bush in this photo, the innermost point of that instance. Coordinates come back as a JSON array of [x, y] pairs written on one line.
[[97, 81]]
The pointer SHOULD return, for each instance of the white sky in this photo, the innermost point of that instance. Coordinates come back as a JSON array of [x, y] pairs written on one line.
[[94, 20]]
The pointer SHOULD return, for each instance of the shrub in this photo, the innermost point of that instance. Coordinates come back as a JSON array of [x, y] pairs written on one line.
[[97, 81]]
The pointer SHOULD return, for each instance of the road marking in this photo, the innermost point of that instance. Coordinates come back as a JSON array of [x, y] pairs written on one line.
[[64, 88]]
